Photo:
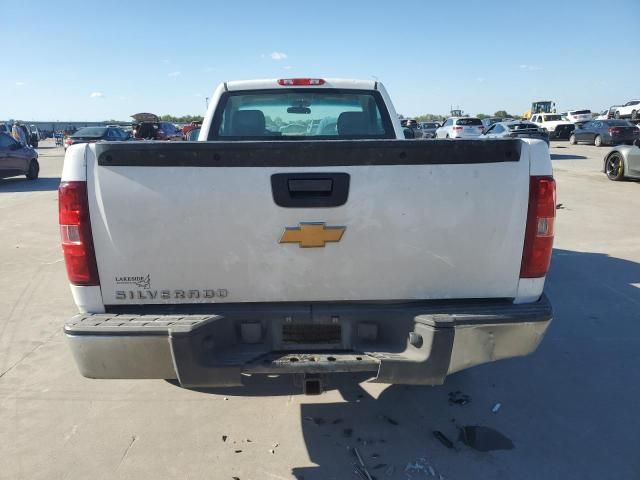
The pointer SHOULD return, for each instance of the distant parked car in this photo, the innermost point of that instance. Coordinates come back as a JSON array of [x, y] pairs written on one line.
[[428, 129], [412, 124], [465, 127], [487, 122], [17, 158], [191, 126], [192, 135], [628, 110], [605, 132], [149, 127], [579, 116], [622, 162], [517, 129], [96, 134]]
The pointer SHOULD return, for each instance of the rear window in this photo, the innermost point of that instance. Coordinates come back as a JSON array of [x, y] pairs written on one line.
[[552, 118], [617, 123], [580, 112], [301, 114], [429, 125], [469, 122], [90, 132]]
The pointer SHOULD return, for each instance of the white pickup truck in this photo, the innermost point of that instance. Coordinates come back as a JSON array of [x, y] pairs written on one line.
[[303, 234]]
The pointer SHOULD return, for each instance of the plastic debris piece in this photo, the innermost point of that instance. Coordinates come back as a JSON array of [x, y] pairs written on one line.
[[238, 451], [272, 451], [226, 398], [224, 438], [496, 407], [364, 467], [442, 438]]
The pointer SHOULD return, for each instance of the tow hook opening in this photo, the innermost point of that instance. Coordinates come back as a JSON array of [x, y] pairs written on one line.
[[312, 385]]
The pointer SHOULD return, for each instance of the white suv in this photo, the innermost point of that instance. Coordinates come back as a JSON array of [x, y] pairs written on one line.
[[461, 127]]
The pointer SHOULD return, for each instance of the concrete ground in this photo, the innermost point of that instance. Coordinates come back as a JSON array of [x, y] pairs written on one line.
[[571, 409]]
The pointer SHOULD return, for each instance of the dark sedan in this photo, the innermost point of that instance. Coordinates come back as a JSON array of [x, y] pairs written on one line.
[[429, 129], [517, 129], [605, 132], [97, 134], [17, 158]]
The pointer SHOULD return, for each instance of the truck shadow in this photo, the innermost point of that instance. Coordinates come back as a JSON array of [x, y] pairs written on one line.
[[21, 184], [571, 402]]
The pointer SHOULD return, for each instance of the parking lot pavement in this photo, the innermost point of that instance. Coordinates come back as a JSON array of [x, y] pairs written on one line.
[[570, 409]]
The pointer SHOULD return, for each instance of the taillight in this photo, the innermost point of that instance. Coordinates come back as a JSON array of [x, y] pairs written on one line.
[[301, 81], [75, 232], [614, 130], [457, 128], [538, 239]]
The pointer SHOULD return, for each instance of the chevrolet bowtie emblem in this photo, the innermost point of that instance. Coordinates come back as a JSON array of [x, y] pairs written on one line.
[[309, 235]]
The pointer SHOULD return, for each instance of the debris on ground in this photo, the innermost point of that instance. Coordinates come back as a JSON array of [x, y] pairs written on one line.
[[389, 420], [442, 438], [559, 206], [361, 467], [458, 398], [422, 465], [484, 439], [496, 407], [238, 451], [226, 398], [224, 438], [317, 421]]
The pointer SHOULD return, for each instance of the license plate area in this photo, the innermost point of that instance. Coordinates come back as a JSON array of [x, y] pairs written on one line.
[[311, 334]]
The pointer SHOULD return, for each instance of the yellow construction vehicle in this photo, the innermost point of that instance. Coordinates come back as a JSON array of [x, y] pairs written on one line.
[[541, 106]]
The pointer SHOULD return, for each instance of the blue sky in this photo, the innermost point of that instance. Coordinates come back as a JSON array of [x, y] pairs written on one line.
[[100, 60]]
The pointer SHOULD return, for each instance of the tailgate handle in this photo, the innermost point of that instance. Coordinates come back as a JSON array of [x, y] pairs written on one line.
[[302, 186], [310, 190]]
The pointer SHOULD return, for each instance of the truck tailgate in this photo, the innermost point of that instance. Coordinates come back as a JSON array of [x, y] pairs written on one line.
[[199, 223]]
